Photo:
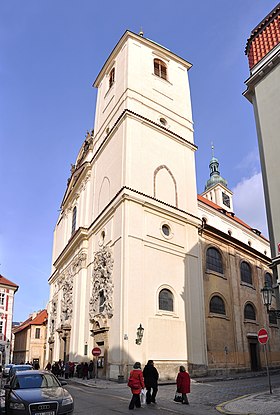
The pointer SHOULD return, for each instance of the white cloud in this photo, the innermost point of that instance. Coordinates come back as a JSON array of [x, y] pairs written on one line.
[[249, 205]]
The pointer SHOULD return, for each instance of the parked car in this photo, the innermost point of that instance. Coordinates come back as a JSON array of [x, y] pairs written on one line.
[[37, 392], [6, 370], [17, 368]]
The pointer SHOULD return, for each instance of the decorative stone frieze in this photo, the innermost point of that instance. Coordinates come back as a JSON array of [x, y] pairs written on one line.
[[101, 300]]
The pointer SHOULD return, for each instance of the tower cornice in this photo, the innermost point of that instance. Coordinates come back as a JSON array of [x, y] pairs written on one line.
[[128, 34]]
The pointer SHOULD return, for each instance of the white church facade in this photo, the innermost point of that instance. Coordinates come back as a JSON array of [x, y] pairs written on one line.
[[144, 268]]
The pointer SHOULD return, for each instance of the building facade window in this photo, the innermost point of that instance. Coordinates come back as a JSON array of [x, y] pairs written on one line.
[[272, 318], [217, 305], [37, 333], [160, 68], [74, 218], [249, 312], [1, 326], [111, 77], [214, 260], [166, 300], [246, 273], [268, 279], [2, 298]]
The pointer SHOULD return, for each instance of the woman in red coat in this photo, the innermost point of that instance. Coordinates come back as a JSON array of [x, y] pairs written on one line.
[[136, 383], [183, 384]]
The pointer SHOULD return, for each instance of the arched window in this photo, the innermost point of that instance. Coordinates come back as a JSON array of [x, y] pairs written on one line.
[[74, 217], [111, 77], [160, 68], [268, 279], [214, 260], [166, 300], [246, 273], [249, 312], [217, 305]]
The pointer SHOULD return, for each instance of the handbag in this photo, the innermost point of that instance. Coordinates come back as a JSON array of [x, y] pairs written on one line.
[[177, 397], [143, 396]]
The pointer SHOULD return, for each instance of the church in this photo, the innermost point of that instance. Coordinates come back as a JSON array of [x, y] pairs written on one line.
[[143, 267]]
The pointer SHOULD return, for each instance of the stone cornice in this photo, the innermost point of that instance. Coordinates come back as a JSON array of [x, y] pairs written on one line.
[[128, 34]]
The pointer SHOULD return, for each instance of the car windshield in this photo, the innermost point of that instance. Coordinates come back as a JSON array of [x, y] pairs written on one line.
[[15, 369], [38, 380]]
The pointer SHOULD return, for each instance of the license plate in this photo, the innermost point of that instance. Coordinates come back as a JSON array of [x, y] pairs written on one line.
[[45, 413]]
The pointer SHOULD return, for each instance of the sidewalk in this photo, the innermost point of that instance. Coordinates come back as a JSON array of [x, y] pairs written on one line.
[[262, 403], [256, 404]]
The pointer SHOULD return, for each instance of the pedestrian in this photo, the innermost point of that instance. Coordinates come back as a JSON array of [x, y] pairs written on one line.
[[136, 384], [150, 374], [49, 366], [85, 371], [91, 369], [36, 366], [183, 382], [55, 369], [66, 370], [71, 369]]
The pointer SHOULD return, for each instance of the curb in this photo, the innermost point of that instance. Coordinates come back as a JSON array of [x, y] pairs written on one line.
[[221, 407]]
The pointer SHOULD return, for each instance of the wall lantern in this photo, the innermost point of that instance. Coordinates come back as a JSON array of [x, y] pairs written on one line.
[[267, 300], [139, 334]]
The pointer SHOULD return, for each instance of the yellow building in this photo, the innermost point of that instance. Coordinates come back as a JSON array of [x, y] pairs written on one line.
[[30, 339]]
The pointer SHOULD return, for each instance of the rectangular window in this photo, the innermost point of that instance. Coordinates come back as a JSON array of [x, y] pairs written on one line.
[[2, 298], [86, 350], [1, 327], [37, 333]]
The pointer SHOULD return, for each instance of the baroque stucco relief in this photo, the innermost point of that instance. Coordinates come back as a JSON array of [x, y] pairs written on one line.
[[101, 300], [64, 291]]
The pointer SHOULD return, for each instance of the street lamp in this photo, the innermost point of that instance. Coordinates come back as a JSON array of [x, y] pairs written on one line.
[[139, 333], [267, 300]]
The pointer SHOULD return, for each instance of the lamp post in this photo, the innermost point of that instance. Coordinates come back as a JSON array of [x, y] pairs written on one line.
[[139, 334], [267, 300]]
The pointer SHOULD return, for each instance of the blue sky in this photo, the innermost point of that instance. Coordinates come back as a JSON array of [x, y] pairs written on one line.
[[52, 51]]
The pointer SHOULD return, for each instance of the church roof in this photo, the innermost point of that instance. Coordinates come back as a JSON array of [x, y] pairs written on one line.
[[5, 281], [230, 215]]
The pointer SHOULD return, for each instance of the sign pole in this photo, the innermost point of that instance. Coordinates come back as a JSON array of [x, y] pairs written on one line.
[[96, 351], [267, 369]]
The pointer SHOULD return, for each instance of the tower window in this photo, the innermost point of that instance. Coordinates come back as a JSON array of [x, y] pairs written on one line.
[[166, 300], [246, 273], [217, 305], [214, 260], [74, 218], [160, 68], [111, 77], [226, 199]]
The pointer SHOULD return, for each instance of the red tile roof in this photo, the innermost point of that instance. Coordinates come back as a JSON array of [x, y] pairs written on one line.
[[41, 317], [5, 281], [225, 212], [264, 37]]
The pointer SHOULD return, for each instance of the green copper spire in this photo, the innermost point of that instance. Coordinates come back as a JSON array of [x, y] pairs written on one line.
[[215, 176]]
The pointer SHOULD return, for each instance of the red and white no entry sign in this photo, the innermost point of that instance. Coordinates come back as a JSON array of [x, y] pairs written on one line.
[[262, 336], [96, 351]]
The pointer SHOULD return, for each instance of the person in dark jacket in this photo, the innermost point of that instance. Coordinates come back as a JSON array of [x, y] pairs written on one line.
[[183, 384], [136, 384], [150, 374]]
